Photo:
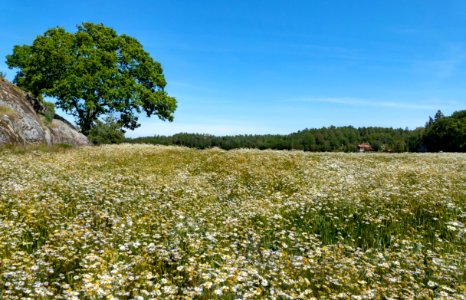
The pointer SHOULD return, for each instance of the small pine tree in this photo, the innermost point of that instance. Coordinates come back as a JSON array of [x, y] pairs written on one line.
[[439, 115]]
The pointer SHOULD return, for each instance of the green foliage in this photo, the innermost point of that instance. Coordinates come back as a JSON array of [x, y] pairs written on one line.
[[108, 132], [92, 73], [2, 75], [49, 112], [440, 134], [446, 133], [341, 139]]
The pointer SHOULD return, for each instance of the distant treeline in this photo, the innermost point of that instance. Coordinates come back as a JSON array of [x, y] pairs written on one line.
[[440, 134]]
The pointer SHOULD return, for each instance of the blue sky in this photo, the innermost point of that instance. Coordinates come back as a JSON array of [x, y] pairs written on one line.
[[279, 66]]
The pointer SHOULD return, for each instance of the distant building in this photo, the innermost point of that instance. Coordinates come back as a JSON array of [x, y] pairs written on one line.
[[365, 147]]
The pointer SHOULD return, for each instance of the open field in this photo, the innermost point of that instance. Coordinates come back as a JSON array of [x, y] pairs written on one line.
[[139, 221]]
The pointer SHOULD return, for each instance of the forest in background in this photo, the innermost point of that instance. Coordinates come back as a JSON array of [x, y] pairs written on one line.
[[440, 133]]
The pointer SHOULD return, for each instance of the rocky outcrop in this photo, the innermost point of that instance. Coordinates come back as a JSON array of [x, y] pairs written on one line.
[[63, 133], [22, 123]]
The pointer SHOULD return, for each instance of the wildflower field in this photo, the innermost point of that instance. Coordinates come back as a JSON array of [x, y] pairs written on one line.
[[141, 222]]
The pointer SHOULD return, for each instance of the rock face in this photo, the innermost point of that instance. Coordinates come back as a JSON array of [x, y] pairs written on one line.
[[21, 124]]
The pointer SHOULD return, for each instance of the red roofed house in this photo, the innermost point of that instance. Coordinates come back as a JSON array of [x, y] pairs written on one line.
[[365, 147]]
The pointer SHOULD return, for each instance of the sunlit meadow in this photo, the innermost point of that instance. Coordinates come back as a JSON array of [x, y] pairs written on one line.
[[141, 222]]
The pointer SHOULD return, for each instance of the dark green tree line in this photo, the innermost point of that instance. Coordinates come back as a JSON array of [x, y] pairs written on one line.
[[440, 134], [342, 139]]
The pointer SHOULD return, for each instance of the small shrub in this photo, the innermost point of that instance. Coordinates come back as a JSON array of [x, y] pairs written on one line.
[[107, 132], [49, 112]]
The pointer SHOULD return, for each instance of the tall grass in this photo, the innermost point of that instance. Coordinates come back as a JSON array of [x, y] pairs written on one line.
[[6, 110]]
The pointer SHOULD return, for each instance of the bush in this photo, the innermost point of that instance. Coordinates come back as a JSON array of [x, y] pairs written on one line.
[[49, 112], [107, 132]]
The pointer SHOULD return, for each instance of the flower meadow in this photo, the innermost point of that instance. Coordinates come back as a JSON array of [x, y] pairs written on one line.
[[155, 222]]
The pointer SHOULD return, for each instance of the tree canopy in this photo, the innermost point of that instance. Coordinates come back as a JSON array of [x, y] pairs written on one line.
[[341, 139], [441, 133], [447, 133], [92, 73]]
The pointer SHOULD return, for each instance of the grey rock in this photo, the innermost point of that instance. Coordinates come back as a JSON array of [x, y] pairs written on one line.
[[62, 133], [20, 122]]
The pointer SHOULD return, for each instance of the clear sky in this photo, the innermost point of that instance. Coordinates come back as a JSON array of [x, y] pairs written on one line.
[[251, 66]]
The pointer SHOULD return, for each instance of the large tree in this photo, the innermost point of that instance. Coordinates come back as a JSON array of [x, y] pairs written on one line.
[[92, 73], [447, 133]]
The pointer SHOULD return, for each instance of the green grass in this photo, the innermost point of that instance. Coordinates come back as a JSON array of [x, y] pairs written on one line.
[[6, 110], [34, 148]]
